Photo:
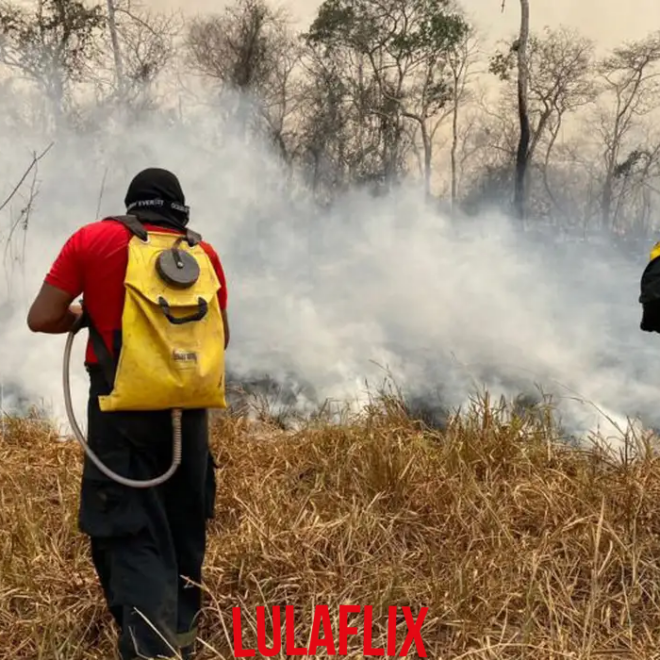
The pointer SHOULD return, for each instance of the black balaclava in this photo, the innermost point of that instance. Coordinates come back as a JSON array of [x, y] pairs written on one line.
[[155, 196]]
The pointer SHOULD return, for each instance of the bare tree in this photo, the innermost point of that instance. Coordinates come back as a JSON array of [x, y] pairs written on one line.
[[636, 176], [249, 50], [142, 44], [148, 44], [522, 154], [459, 72], [630, 76], [560, 68], [460, 62], [12, 255], [52, 46], [325, 147], [116, 49]]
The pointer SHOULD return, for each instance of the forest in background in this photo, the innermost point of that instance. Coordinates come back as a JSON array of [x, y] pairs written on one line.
[[371, 94]]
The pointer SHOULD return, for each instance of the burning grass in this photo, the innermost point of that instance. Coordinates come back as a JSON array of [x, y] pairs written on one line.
[[519, 545]]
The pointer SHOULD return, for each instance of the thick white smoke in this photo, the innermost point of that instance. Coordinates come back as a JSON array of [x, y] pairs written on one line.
[[337, 298]]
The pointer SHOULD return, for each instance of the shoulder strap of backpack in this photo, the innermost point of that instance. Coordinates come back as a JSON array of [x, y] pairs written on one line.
[[133, 225], [138, 229], [103, 355], [192, 237], [101, 351]]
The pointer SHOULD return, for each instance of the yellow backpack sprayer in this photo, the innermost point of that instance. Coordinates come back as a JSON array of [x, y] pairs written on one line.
[[650, 292], [169, 359]]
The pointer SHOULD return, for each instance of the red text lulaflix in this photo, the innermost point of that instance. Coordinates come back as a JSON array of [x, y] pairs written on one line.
[[333, 642]]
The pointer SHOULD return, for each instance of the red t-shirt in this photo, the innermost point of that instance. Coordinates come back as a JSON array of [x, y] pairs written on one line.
[[93, 263]]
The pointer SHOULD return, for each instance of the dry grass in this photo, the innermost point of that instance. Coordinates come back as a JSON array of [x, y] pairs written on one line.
[[520, 547]]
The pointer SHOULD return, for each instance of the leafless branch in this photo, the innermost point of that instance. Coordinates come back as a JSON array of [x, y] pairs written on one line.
[[35, 160]]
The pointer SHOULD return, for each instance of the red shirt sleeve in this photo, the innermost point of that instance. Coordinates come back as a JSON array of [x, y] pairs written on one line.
[[67, 272], [219, 271]]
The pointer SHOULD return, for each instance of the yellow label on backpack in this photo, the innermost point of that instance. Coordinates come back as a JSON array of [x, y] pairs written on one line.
[[164, 364]]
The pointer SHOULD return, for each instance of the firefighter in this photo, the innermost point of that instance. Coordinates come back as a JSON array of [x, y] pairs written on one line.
[[147, 544]]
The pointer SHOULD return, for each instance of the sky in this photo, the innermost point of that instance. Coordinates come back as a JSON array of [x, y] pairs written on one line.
[[608, 22]]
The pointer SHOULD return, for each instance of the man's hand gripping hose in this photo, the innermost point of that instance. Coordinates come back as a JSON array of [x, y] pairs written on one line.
[[132, 483]]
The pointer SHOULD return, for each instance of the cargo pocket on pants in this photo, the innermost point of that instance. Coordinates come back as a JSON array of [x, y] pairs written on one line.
[[107, 508]]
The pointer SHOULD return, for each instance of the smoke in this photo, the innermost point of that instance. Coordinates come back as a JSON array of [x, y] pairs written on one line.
[[329, 304]]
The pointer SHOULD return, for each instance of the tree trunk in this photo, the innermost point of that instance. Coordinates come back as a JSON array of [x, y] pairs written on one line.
[[428, 152], [522, 155], [454, 149], [606, 200], [119, 69]]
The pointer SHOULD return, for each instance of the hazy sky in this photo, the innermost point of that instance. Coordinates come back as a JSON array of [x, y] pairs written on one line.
[[607, 21]]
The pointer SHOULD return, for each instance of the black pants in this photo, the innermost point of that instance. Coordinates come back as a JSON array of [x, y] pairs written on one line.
[[144, 540]]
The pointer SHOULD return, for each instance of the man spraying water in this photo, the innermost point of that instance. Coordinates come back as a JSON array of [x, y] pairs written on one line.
[[155, 302]]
